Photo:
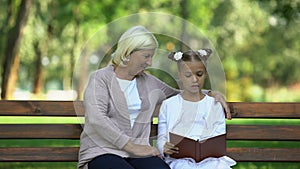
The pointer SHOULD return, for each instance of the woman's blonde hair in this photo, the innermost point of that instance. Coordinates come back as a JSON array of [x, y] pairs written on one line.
[[134, 39]]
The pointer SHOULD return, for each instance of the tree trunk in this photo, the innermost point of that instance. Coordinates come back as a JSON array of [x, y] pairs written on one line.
[[6, 25], [12, 49], [12, 81], [38, 75]]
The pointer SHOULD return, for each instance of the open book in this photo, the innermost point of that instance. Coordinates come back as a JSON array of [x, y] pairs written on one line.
[[199, 150]]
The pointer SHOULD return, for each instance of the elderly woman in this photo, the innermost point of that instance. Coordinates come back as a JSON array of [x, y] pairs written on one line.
[[120, 100]]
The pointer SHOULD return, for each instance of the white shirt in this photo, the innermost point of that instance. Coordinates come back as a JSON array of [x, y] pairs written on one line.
[[131, 93], [196, 120], [192, 119]]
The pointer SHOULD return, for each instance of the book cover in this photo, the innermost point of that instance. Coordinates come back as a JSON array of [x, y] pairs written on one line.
[[199, 150]]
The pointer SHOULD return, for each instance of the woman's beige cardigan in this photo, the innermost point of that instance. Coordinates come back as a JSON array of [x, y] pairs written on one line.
[[107, 124]]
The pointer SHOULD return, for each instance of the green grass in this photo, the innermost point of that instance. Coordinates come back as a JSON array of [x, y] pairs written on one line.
[[262, 144], [38, 143], [40, 120], [264, 121]]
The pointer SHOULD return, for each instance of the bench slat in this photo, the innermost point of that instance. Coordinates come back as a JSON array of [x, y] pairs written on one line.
[[265, 110], [39, 154], [264, 154], [36, 131], [41, 108], [73, 131], [70, 154], [66, 108], [263, 132]]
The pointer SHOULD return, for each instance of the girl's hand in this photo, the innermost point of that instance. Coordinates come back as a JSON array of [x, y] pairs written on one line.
[[170, 148], [219, 97]]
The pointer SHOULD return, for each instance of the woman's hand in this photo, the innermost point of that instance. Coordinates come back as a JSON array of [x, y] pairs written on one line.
[[219, 97], [141, 150], [170, 148]]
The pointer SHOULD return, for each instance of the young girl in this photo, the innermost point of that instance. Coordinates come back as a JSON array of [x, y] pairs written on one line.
[[191, 113]]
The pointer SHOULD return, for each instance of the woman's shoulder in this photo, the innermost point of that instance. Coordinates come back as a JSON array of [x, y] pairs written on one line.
[[106, 69], [103, 72]]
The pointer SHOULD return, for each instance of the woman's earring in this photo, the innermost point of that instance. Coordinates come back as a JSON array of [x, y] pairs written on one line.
[[125, 60]]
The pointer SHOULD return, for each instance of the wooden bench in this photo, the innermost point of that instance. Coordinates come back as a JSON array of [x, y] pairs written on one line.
[[239, 132]]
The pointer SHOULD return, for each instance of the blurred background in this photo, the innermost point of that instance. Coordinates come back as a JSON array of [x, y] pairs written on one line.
[[43, 42], [257, 42]]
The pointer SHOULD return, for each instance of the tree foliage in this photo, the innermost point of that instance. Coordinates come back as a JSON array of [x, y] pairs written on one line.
[[257, 40]]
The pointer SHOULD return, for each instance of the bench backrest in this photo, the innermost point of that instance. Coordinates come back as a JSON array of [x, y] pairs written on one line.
[[240, 132]]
